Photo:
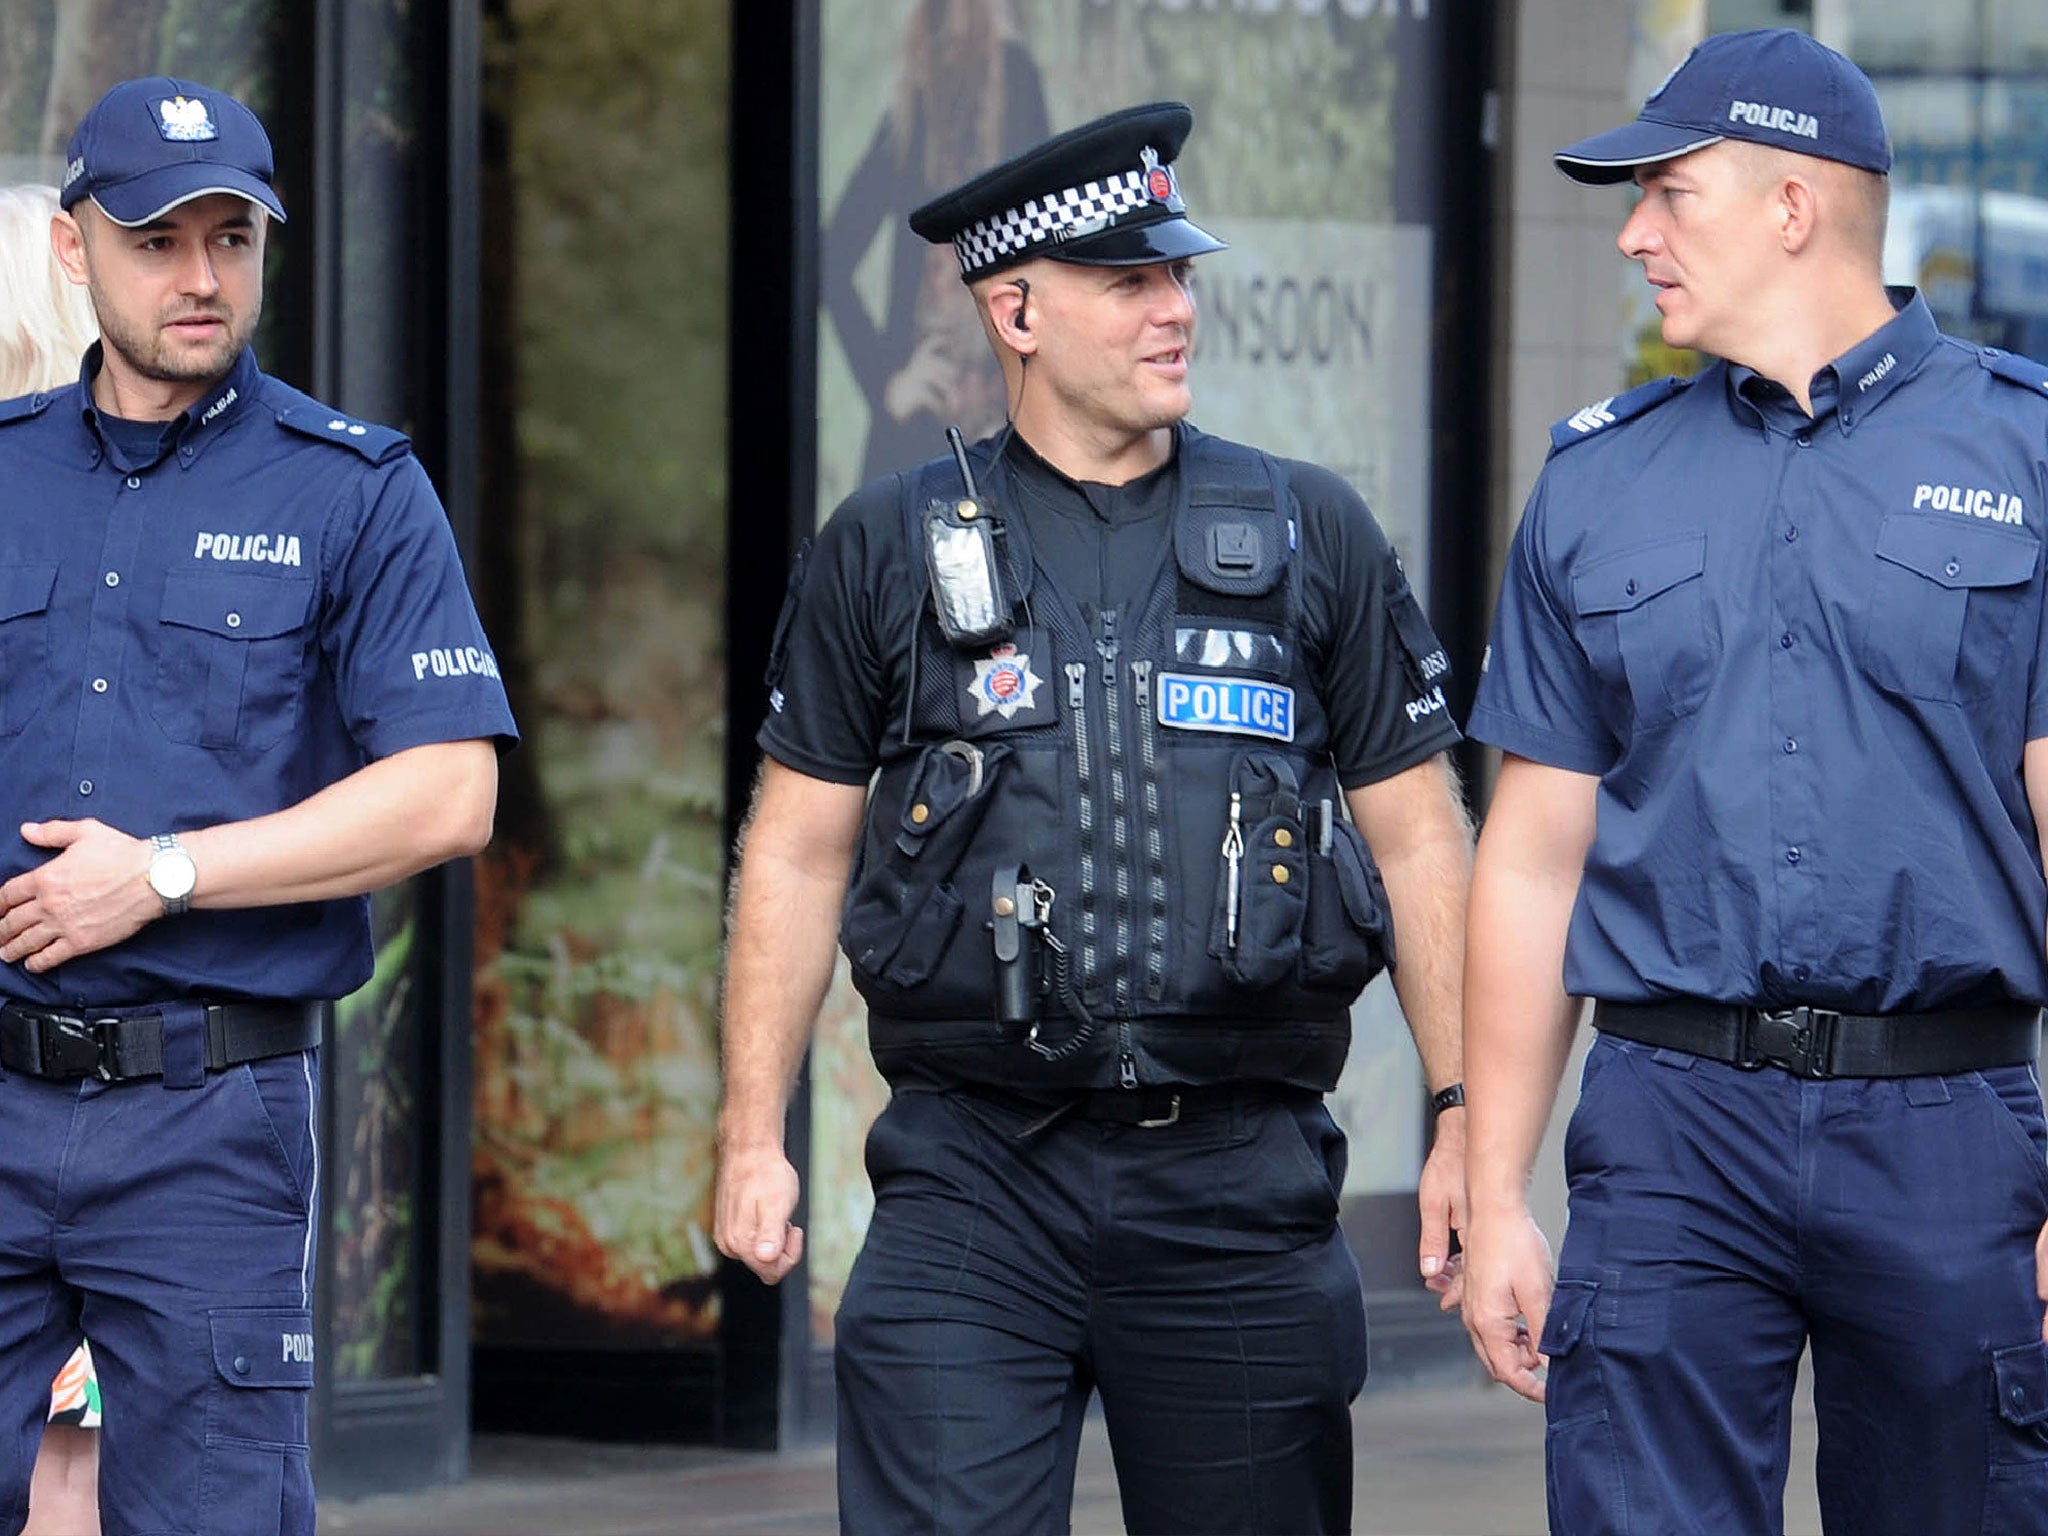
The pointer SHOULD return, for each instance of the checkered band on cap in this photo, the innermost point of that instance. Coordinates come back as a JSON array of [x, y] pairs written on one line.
[[1050, 220]]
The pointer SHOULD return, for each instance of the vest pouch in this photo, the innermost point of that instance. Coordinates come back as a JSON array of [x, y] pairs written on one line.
[[904, 909], [1262, 886], [1348, 935]]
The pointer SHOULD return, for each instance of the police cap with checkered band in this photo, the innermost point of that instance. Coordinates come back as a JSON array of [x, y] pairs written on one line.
[[1101, 195], [149, 145]]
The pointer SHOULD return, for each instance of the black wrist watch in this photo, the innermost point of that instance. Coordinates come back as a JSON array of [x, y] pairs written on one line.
[[1447, 1098]]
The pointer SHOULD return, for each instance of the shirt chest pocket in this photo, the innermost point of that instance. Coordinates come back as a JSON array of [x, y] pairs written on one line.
[[1944, 595], [24, 642], [231, 659], [1644, 621]]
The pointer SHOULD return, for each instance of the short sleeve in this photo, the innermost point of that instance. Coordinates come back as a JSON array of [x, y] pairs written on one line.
[[1379, 667], [408, 654], [1537, 695], [836, 648]]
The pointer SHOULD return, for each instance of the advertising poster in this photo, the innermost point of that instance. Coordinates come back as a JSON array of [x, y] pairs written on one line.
[[603, 582], [1313, 341]]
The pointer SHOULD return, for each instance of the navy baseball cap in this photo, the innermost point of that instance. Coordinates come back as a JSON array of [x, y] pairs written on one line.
[[149, 145], [1776, 87], [1100, 195]]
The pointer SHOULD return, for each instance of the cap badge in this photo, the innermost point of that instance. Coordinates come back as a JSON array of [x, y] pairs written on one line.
[[185, 120], [1158, 179], [1004, 683]]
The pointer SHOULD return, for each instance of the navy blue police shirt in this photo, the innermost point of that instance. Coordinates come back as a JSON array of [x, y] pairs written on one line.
[[849, 630], [1804, 657], [210, 620]]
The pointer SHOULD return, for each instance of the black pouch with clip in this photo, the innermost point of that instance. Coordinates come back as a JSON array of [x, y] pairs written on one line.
[[904, 910], [1348, 935], [1255, 934]]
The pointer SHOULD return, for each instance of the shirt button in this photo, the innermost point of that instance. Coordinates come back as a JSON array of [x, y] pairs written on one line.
[[113, 578], [99, 685], [1952, 568], [1791, 745], [1791, 855], [1630, 589], [241, 1365], [134, 482], [234, 621], [1799, 973], [1804, 439], [85, 786], [1792, 534], [1785, 641]]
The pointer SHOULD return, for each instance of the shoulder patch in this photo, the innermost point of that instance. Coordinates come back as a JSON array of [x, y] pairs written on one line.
[[1602, 414], [2014, 369], [22, 408], [380, 445]]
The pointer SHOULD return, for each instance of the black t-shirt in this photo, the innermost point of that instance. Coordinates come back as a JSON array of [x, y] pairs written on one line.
[[1378, 667]]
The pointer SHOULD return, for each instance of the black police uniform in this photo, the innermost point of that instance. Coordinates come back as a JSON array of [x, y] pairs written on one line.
[[1133, 1184]]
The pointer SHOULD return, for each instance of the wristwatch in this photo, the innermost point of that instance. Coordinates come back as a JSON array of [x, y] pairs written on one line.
[[1447, 1098], [172, 874]]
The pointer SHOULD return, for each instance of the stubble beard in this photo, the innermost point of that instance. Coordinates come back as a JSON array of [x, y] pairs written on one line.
[[151, 354]]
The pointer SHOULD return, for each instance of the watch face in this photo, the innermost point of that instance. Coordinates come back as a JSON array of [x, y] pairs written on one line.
[[172, 874]]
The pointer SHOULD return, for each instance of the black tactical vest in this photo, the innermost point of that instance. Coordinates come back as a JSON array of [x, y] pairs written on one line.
[[1113, 851]]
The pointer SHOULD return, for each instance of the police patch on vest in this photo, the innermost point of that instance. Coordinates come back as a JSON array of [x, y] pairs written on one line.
[[1004, 683], [1241, 706]]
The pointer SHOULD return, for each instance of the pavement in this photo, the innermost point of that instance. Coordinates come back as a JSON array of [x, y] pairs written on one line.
[[1431, 1461]]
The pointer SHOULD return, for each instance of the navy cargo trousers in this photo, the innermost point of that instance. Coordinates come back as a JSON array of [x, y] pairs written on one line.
[[1191, 1273], [1721, 1221], [171, 1223]]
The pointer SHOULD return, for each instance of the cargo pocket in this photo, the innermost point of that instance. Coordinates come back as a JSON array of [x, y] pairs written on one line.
[[24, 642], [904, 908], [1944, 593], [2016, 1490], [1348, 933], [1644, 621], [231, 659], [255, 1479], [1581, 1463], [1262, 884]]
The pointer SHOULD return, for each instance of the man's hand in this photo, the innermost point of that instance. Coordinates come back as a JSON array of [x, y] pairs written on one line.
[[91, 896], [756, 1195], [1442, 1197], [1507, 1296], [2041, 1277]]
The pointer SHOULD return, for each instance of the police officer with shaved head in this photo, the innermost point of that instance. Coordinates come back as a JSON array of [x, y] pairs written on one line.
[[1770, 669], [1114, 754], [242, 685]]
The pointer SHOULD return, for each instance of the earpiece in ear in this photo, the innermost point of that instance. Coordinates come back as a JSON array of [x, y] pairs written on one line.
[[1023, 297]]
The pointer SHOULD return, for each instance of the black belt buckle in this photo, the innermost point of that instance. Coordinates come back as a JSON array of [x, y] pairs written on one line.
[[72, 1047], [1800, 1040]]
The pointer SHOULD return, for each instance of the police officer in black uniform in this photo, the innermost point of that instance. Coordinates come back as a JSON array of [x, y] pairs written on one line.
[[242, 684], [1074, 738]]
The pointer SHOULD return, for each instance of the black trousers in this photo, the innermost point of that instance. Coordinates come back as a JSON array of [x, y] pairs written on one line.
[[1193, 1274]]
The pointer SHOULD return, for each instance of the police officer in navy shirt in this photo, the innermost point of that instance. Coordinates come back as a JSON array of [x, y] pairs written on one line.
[[1771, 674], [1074, 740], [242, 684]]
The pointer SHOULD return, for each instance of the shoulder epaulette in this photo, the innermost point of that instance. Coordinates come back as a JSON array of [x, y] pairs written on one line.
[[1602, 414], [380, 445], [2014, 369], [23, 408]]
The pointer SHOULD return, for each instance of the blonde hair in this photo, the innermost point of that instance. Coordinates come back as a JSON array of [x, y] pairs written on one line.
[[46, 320]]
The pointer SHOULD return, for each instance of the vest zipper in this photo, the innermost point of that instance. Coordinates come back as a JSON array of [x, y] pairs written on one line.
[[1114, 755], [1077, 711], [1155, 843]]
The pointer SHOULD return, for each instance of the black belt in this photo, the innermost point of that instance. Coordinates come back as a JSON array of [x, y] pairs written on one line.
[[1149, 1108], [1818, 1042], [52, 1043]]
